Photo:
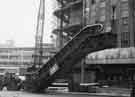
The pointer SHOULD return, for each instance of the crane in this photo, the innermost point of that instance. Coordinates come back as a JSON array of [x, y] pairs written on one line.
[[38, 51]]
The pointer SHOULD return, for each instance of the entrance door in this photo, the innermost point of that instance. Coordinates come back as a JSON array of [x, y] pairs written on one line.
[[131, 77]]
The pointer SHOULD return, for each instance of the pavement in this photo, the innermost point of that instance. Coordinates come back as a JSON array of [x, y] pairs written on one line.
[[56, 94], [91, 94], [19, 94]]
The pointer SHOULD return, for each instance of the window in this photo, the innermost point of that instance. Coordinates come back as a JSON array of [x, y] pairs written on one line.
[[102, 11], [67, 16], [125, 35], [102, 18], [108, 28], [92, 1], [125, 20], [93, 13], [4, 57], [102, 4], [124, 6], [125, 28], [102, 0], [125, 43], [124, 0], [125, 38], [125, 13], [13, 57]]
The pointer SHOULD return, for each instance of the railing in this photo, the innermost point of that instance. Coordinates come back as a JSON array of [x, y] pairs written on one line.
[[89, 39], [72, 45]]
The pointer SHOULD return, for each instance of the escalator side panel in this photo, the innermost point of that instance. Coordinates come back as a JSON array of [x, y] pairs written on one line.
[[89, 37], [90, 30]]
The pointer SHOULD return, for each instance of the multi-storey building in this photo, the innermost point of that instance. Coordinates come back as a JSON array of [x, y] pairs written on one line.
[[18, 59], [126, 20], [69, 19], [117, 16]]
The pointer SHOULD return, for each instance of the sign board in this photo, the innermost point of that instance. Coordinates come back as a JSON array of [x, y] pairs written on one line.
[[54, 69]]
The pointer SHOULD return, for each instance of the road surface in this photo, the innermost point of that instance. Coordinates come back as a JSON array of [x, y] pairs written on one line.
[[25, 94]]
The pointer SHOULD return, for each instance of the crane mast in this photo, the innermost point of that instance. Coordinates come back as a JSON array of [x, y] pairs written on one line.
[[38, 52]]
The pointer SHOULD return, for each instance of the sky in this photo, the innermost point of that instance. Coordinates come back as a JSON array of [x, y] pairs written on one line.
[[18, 21]]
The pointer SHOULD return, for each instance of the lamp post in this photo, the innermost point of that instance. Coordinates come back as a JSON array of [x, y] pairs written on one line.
[[115, 26], [113, 6], [61, 25]]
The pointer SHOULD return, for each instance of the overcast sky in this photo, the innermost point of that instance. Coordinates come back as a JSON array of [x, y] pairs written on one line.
[[18, 21]]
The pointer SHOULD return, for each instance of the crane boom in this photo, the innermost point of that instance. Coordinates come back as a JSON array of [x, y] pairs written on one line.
[[39, 35]]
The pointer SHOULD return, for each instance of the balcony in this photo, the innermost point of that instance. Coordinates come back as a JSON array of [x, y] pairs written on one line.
[[71, 30], [66, 1], [74, 5]]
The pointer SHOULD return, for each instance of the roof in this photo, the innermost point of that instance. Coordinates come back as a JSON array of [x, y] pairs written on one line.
[[112, 56]]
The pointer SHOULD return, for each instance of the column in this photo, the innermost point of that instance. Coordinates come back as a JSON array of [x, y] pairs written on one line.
[[131, 15], [82, 70]]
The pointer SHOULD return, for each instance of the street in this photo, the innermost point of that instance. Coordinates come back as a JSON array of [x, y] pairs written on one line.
[[26, 94], [21, 94]]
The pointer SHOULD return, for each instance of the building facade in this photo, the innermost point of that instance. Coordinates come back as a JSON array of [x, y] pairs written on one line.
[[69, 20], [117, 16], [18, 59]]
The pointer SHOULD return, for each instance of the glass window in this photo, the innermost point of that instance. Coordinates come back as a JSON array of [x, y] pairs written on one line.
[[4, 57], [125, 13], [102, 11], [108, 29], [102, 0], [13, 57], [93, 13], [125, 39], [92, 1], [125, 20], [102, 4], [124, 6], [124, 43], [124, 0], [102, 18], [125, 35], [125, 28]]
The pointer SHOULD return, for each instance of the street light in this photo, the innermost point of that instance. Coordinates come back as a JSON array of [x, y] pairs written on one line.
[[113, 6]]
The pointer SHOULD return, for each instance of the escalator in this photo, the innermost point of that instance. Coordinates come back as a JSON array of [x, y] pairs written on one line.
[[88, 40]]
